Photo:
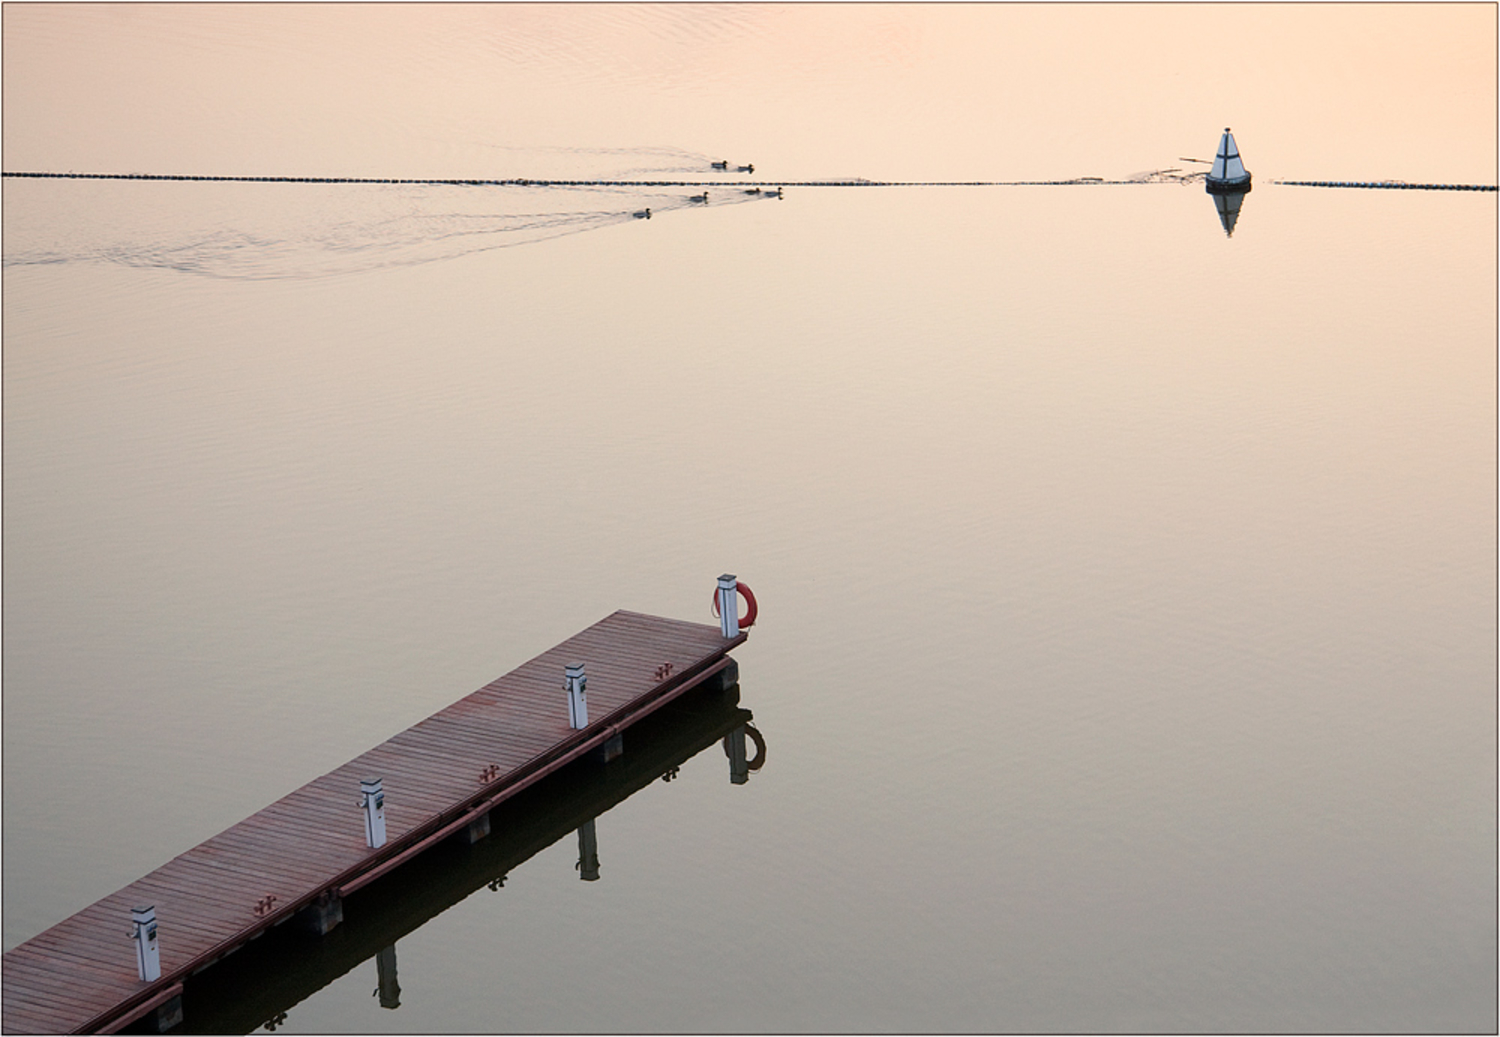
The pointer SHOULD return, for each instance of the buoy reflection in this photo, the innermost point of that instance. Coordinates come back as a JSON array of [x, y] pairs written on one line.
[[1228, 205]]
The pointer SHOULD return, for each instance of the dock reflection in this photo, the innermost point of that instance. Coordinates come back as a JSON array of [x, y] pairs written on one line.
[[256, 986], [386, 987]]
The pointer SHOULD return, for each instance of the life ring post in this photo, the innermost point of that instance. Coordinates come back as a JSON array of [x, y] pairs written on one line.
[[727, 605]]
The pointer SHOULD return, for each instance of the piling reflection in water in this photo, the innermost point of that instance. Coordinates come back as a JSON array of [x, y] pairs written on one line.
[[386, 987], [734, 747], [588, 852], [257, 986]]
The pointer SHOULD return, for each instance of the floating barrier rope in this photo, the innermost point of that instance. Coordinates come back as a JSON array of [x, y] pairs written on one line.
[[444, 227], [1388, 185], [1164, 177], [1158, 177]]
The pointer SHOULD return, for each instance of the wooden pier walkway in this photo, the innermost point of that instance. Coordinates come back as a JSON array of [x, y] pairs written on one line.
[[268, 979], [307, 851]]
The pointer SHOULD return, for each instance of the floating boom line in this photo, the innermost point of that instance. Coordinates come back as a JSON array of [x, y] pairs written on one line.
[[1157, 177], [528, 182], [1388, 185]]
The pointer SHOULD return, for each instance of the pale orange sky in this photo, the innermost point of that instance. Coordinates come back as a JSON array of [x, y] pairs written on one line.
[[897, 91]]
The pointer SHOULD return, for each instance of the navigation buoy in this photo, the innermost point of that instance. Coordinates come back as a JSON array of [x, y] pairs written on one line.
[[1228, 181], [1229, 173]]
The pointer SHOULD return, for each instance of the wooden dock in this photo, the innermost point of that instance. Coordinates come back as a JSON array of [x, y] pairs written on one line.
[[299, 857], [268, 979]]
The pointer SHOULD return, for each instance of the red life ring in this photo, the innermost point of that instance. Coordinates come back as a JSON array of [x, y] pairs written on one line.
[[749, 618]]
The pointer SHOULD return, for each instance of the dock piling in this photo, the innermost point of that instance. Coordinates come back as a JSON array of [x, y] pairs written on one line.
[[168, 1014], [323, 915], [477, 829], [613, 748], [729, 605]]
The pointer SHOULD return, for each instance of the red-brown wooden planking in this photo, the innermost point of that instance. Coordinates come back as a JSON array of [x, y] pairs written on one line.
[[81, 975]]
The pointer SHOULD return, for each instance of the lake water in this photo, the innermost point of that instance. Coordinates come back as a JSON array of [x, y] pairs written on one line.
[[1127, 650]]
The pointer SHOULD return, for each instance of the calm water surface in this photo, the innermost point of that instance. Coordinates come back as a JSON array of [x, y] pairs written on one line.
[[1127, 657]]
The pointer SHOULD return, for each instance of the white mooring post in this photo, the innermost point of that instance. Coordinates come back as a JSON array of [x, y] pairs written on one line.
[[372, 799], [147, 951], [578, 703], [729, 605]]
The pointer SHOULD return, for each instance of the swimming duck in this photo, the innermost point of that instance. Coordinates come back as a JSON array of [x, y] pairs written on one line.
[[746, 169], [644, 214], [722, 165], [700, 198]]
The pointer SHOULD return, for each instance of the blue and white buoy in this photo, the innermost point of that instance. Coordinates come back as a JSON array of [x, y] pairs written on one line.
[[1229, 174]]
